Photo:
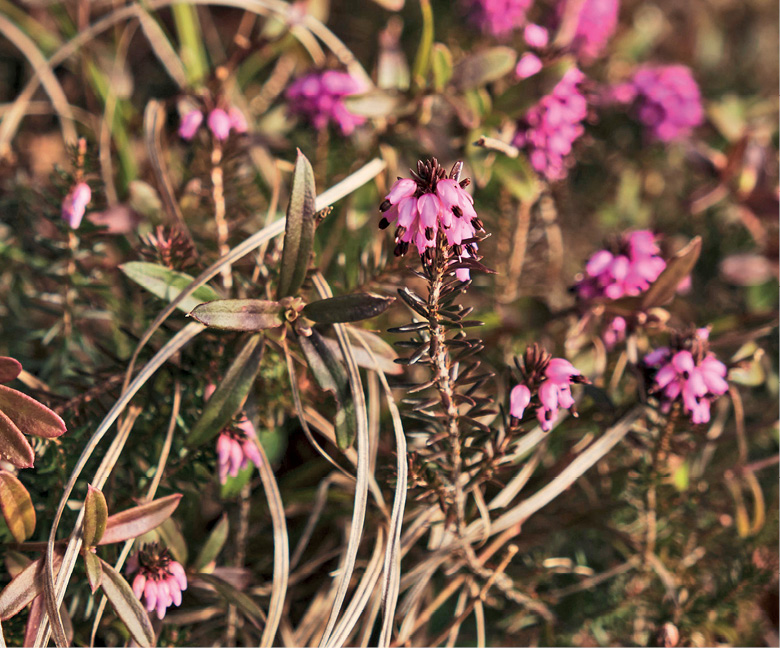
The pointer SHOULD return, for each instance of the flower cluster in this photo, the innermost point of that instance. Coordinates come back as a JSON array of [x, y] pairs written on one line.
[[548, 130], [596, 22], [74, 206], [236, 448], [547, 381], [429, 201], [160, 579], [497, 17], [627, 270], [666, 99], [220, 123], [319, 97], [687, 369]]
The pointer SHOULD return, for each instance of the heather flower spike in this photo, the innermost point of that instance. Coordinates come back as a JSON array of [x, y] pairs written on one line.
[[688, 371], [319, 97], [160, 579], [666, 100], [548, 129], [219, 124], [190, 123], [236, 448], [74, 205], [497, 17], [429, 202], [596, 22], [546, 383]]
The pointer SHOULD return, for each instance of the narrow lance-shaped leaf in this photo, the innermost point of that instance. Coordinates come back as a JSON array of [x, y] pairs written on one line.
[[230, 393], [332, 377], [239, 314], [214, 544], [299, 229], [679, 266], [14, 448], [485, 67], [127, 607], [94, 570], [237, 598], [9, 369], [347, 308], [139, 520], [17, 507], [95, 516], [30, 416], [24, 587], [422, 59], [166, 283], [441, 63]]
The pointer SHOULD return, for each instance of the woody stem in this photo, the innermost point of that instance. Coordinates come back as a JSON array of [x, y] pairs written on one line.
[[218, 195]]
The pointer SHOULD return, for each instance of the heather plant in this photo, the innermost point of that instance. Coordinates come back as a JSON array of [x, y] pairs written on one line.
[[378, 324]]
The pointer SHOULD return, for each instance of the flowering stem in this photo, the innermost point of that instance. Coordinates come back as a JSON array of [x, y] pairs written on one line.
[[218, 195], [441, 363]]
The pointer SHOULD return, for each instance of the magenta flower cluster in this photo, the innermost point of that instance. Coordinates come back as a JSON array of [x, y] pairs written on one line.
[[160, 579], [74, 206], [236, 448], [692, 374], [550, 379], [497, 17], [426, 203], [220, 122], [319, 97], [666, 99], [596, 22], [548, 130], [629, 271]]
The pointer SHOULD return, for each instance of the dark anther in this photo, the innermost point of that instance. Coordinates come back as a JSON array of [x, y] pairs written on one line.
[[457, 249], [401, 248], [386, 204], [384, 223], [465, 183], [400, 231], [429, 233], [478, 224], [457, 211]]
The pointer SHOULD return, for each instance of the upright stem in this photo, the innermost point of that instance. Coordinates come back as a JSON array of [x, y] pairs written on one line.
[[441, 363], [218, 194]]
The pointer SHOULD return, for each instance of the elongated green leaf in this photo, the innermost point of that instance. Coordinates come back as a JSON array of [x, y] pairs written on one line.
[[230, 393], [484, 67], [13, 446], [9, 369], [127, 607], [94, 570], [347, 308], [376, 104], [678, 267], [139, 520], [214, 544], [234, 596], [30, 416], [16, 506], [332, 377], [95, 517], [441, 62], [299, 229], [239, 314], [422, 60], [167, 284], [24, 587]]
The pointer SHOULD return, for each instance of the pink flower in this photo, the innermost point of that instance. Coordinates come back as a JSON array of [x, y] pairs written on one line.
[[219, 123], [528, 65], [75, 204], [548, 129], [627, 270], [497, 17], [236, 448], [547, 382], [596, 22], [160, 579], [190, 124], [615, 333], [666, 99], [536, 36], [428, 203], [688, 371], [319, 97], [238, 122]]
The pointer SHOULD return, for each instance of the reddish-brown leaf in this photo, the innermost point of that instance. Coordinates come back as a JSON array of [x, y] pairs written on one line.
[[30, 416], [139, 519], [13, 446], [9, 369], [16, 506]]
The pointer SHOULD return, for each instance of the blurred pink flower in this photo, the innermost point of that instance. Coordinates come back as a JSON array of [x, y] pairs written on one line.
[[689, 371], [219, 123], [548, 130], [528, 65], [238, 121], [319, 97], [615, 333], [666, 99], [236, 448], [75, 204], [536, 36], [497, 17], [160, 579], [596, 22], [190, 124]]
